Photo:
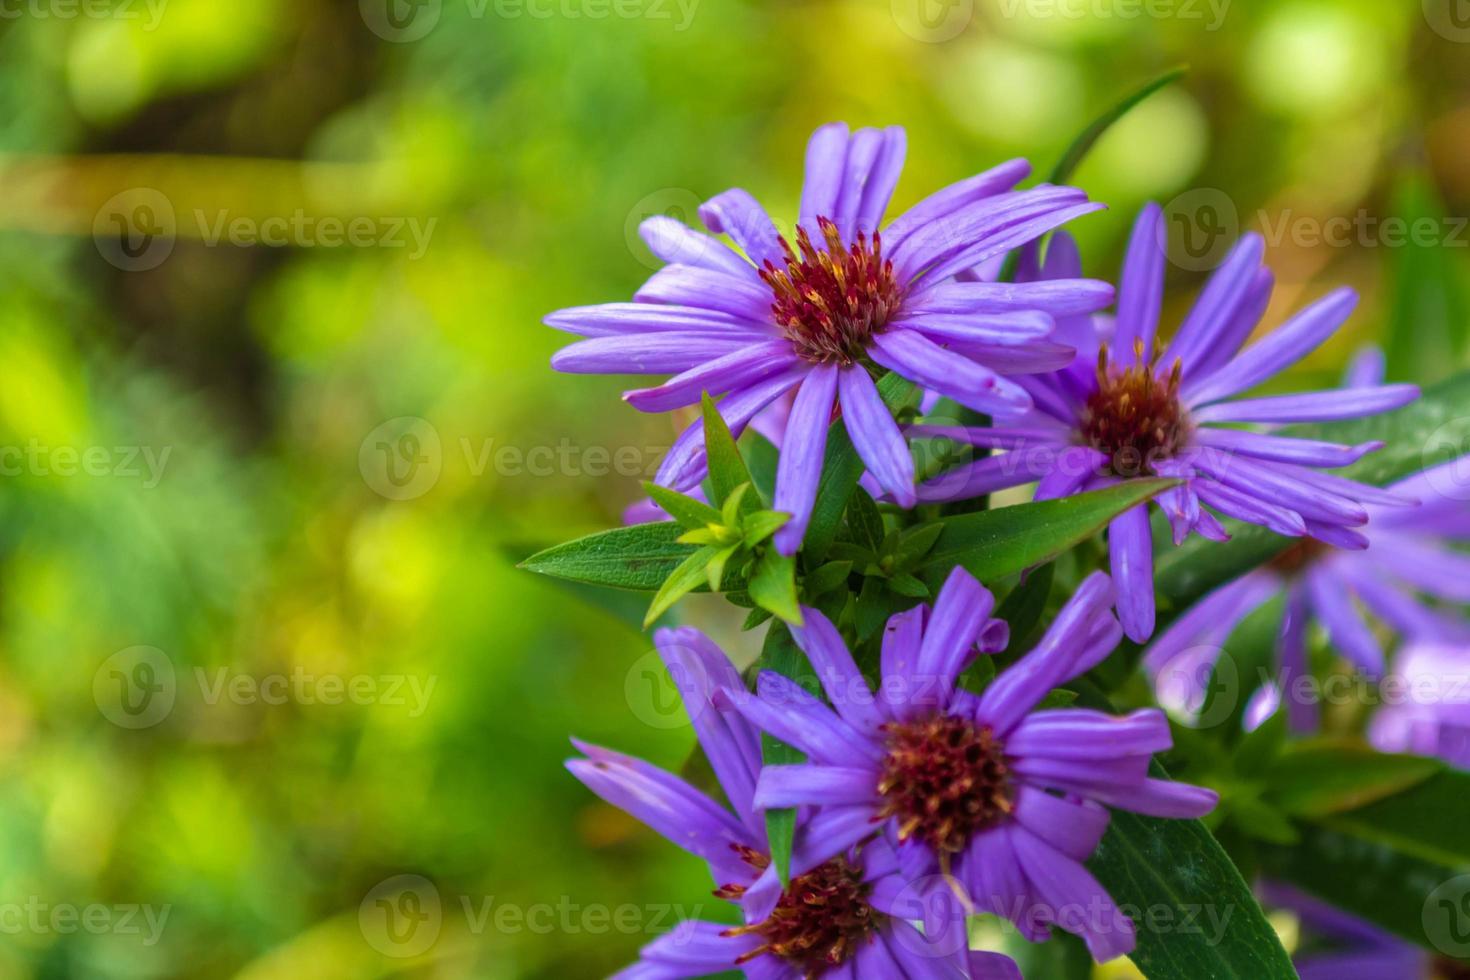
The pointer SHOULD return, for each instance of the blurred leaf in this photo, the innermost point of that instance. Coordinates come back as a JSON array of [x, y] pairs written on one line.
[[830, 576], [1319, 778], [995, 543], [1427, 821], [1429, 316]]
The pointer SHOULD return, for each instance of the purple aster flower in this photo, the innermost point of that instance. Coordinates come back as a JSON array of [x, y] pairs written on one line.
[[1346, 947], [1402, 553], [1130, 407], [844, 914], [824, 315], [1007, 799]]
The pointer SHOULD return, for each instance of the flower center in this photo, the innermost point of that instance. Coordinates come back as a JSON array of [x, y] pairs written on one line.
[[1301, 554], [820, 920], [1134, 417], [944, 778], [830, 300]]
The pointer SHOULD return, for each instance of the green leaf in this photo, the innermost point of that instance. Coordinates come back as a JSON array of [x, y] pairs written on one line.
[[1323, 777], [907, 585], [639, 557], [731, 509], [1062, 957], [692, 514], [995, 543], [914, 544], [1427, 821], [1084, 143], [773, 585], [1202, 920], [726, 467], [1429, 313], [756, 617], [780, 654], [1260, 820], [841, 470], [761, 525], [689, 576], [762, 457], [714, 572], [865, 521]]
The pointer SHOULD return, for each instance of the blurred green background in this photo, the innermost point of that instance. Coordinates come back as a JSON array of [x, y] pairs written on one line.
[[263, 647]]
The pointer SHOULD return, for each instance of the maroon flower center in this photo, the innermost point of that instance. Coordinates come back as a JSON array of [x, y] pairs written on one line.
[[829, 301], [1293, 560], [944, 779], [820, 920], [1135, 417]]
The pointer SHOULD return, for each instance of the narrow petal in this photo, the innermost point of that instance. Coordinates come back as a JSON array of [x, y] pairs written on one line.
[[875, 435], [1211, 619], [675, 242], [692, 948], [926, 363], [1228, 289], [1057, 298], [1318, 406], [1304, 452], [1005, 330], [1283, 486], [1073, 826], [954, 197], [788, 786], [1131, 552], [996, 238], [1160, 798], [653, 353], [1345, 627], [1242, 324], [1077, 733], [685, 465], [1302, 714], [902, 638], [961, 608], [978, 478], [1082, 906], [1141, 289], [846, 688], [800, 466], [737, 214], [738, 369], [786, 711], [1012, 695], [1278, 351], [882, 179], [826, 162], [1233, 503], [618, 319], [688, 285]]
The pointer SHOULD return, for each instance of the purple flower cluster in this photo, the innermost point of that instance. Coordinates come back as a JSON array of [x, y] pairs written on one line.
[[921, 801]]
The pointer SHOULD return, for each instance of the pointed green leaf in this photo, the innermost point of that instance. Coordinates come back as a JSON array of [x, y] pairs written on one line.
[[995, 543], [638, 557], [773, 585], [754, 619], [689, 576], [828, 577], [692, 514], [714, 572], [914, 544], [1323, 777], [730, 510], [1022, 607], [727, 469], [1088, 138], [907, 585], [1430, 312], [761, 525]]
